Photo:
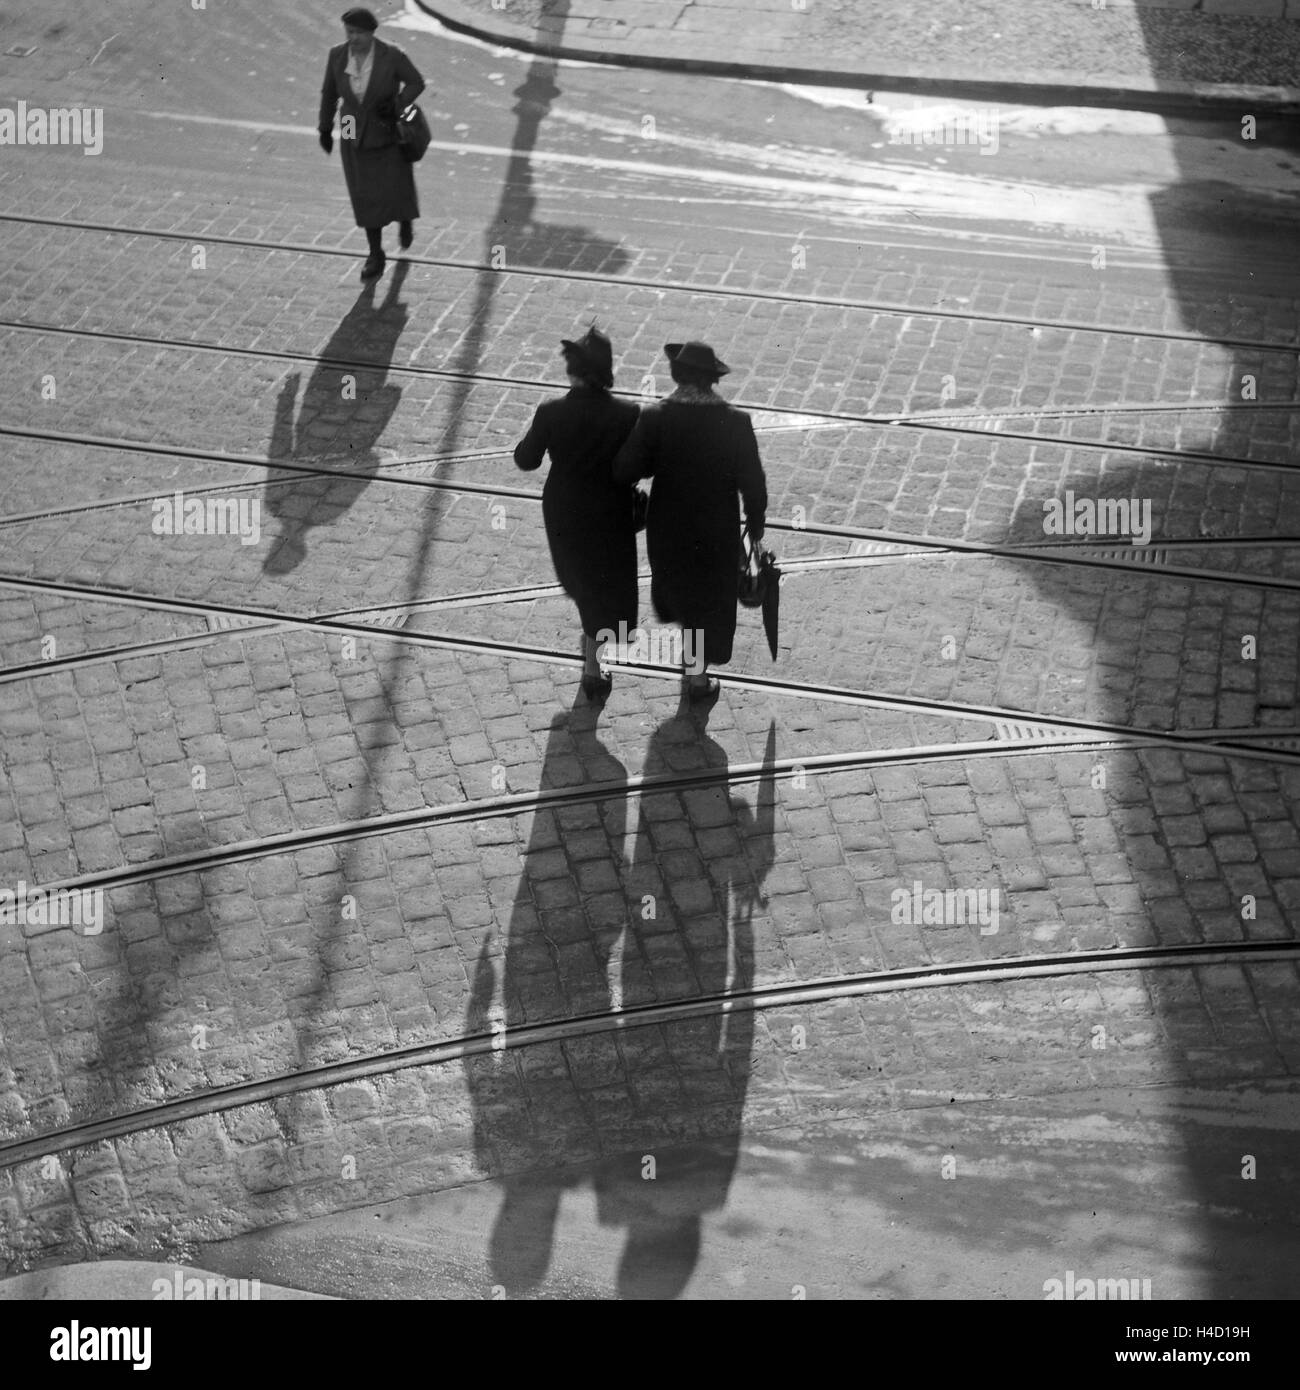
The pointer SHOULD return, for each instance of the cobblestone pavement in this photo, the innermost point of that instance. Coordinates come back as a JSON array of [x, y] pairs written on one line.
[[250, 716]]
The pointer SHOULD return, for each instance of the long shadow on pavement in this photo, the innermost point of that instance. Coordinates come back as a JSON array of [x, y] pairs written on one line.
[[1253, 239], [655, 1111], [350, 407], [1171, 657], [515, 234]]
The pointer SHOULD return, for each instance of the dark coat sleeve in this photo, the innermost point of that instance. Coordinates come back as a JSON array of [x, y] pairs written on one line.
[[531, 449], [329, 98], [749, 476], [636, 459], [412, 82]]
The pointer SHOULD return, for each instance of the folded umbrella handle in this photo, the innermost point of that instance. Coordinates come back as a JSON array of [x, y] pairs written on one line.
[[749, 543], [752, 578]]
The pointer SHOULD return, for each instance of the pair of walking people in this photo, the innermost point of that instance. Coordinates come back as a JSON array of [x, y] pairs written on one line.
[[702, 457]]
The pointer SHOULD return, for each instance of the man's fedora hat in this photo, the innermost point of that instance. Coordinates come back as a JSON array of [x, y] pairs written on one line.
[[360, 19], [593, 352], [699, 356]]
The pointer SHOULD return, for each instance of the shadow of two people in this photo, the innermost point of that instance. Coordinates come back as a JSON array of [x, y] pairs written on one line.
[[677, 1088]]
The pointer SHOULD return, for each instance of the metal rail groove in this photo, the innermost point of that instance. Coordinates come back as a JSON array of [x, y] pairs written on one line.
[[1000, 246], [1010, 970], [845, 418], [457, 486], [1116, 555], [1051, 412], [391, 471], [387, 615], [690, 287], [1203, 740], [220, 626], [512, 804], [396, 614], [291, 467]]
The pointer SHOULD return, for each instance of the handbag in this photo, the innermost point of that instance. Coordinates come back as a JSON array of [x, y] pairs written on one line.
[[640, 508], [758, 572], [413, 134]]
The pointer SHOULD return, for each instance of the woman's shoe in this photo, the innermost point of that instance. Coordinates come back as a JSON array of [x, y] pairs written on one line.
[[707, 691], [405, 235], [374, 266], [597, 687]]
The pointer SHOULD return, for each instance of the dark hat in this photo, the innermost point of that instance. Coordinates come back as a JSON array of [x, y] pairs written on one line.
[[360, 19], [698, 356], [593, 353]]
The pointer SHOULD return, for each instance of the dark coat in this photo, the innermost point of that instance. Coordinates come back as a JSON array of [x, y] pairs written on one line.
[[588, 517], [700, 456], [381, 182]]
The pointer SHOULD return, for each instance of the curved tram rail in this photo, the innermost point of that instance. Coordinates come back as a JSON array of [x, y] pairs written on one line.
[[1008, 970], [1017, 731]]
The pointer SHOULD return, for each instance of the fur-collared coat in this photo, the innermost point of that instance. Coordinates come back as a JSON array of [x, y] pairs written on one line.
[[380, 181], [703, 457]]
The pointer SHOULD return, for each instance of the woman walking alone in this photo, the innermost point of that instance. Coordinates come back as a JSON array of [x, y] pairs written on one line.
[[375, 83], [589, 518], [701, 452]]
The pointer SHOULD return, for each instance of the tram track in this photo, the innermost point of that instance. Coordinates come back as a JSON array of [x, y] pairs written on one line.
[[389, 471], [392, 472], [694, 288], [1009, 970], [1204, 740], [865, 553], [926, 422], [1015, 732], [219, 1099], [383, 620], [1086, 553], [510, 804]]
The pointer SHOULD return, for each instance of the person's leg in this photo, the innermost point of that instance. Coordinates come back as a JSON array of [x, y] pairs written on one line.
[[405, 235], [695, 669], [590, 656], [698, 680], [596, 685], [374, 265]]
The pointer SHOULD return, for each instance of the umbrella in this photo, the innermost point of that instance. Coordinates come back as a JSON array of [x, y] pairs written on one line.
[[771, 597], [760, 587]]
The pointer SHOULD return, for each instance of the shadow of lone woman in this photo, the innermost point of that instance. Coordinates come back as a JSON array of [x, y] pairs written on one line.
[[342, 415], [674, 1092]]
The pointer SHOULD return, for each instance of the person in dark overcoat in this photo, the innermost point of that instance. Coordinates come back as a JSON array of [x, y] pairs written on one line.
[[589, 518], [375, 82], [702, 454]]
